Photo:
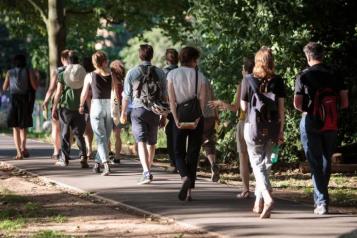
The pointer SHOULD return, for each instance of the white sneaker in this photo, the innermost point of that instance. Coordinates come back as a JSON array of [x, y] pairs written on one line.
[[320, 210]]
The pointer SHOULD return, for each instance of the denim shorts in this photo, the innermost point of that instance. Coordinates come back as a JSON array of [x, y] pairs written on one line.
[[144, 125]]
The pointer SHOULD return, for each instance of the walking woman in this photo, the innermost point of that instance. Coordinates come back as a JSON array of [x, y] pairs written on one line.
[[118, 73], [22, 83], [254, 91], [100, 81], [248, 64], [181, 88]]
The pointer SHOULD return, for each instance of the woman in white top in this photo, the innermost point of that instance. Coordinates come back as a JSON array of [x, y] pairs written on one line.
[[181, 87]]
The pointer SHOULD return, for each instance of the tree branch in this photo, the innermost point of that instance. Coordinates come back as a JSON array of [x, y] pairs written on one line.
[[38, 8]]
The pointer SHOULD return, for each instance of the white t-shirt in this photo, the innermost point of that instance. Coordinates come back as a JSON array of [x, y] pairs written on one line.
[[183, 80]]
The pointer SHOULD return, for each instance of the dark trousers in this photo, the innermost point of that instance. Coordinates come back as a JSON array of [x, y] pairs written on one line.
[[318, 147], [187, 159], [169, 130], [74, 121]]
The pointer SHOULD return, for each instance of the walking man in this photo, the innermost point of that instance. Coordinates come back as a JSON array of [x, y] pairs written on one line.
[[65, 109], [145, 85], [319, 93]]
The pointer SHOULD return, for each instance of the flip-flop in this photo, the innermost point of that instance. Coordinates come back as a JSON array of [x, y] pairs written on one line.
[[25, 153], [19, 157], [243, 195]]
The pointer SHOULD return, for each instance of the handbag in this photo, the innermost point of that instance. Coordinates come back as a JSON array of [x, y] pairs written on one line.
[[190, 110]]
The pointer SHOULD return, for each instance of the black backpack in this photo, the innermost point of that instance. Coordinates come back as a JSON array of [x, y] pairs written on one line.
[[263, 115], [148, 87]]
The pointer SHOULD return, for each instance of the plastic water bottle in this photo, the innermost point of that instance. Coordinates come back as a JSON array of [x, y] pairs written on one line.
[[275, 154]]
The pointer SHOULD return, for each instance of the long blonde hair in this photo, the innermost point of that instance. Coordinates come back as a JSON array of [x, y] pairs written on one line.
[[264, 63]]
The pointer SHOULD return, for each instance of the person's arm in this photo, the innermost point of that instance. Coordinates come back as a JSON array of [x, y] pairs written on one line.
[[281, 110], [34, 79], [6, 84], [344, 99], [127, 92], [298, 101], [56, 100], [51, 89], [172, 100], [84, 93]]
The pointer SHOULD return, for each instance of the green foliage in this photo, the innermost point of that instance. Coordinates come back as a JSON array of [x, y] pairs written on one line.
[[50, 234], [12, 224], [227, 31], [159, 42]]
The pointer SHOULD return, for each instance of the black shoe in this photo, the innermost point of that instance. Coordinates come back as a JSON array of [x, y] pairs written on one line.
[[84, 162], [151, 177], [111, 159], [184, 188], [117, 161], [96, 168]]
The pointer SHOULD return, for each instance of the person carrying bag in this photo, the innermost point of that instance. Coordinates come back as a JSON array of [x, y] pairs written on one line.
[[186, 89]]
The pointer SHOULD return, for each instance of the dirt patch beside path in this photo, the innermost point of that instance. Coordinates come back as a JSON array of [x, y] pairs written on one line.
[[31, 207]]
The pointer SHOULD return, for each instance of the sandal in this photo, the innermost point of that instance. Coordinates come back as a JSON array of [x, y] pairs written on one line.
[[244, 195], [258, 209], [19, 157], [268, 207], [25, 153]]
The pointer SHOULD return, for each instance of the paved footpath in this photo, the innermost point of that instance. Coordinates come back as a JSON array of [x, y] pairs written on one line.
[[214, 208]]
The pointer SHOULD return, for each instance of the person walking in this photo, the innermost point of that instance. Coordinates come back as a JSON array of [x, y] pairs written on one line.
[[210, 117], [100, 81], [319, 94], [65, 109], [262, 98], [118, 72], [22, 82], [55, 125], [248, 65], [88, 133], [187, 83], [144, 86], [171, 57]]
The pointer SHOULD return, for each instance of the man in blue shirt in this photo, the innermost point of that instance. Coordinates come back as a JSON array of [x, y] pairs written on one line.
[[145, 122]]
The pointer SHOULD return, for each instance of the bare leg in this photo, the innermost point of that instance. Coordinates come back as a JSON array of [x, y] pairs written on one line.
[[23, 135], [56, 137], [244, 170], [88, 137], [117, 142], [151, 154], [143, 156], [211, 159], [17, 140]]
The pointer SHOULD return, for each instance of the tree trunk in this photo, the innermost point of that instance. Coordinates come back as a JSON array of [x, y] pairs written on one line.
[[56, 32]]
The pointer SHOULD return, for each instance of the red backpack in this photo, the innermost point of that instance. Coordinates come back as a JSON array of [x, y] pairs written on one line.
[[325, 109]]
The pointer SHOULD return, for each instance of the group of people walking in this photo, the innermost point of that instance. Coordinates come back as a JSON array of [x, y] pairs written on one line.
[[181, 99]]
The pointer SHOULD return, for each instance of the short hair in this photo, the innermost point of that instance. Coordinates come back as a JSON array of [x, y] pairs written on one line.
[[73, 57], [264, 63], [146, 52], [99, 58], [118, 69], [188, 54], [64, 54], [171, 56], [248, 64], [20, 61], [314, 50]]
